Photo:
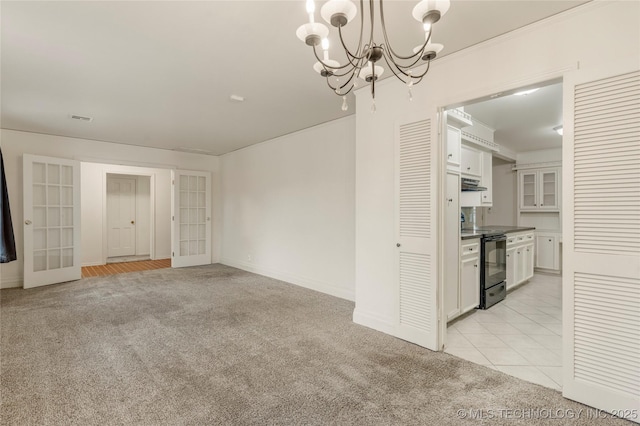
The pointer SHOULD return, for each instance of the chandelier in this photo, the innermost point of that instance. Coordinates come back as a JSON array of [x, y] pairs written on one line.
[[363, 62]]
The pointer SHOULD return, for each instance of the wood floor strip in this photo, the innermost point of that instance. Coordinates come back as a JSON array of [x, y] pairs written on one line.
[[125, 267]]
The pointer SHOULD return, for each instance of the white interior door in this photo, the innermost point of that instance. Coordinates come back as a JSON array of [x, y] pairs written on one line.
[[51, 220], [191, 208], [601, 271], [121, 216], [417, 259]]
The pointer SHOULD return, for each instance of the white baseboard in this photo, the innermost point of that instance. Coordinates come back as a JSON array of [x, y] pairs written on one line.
[[374, 321], [306, 282], [98, 263], [14, 282]]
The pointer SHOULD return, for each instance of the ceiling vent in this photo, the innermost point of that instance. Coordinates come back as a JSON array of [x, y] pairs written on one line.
[[194, 150], [81, 118]]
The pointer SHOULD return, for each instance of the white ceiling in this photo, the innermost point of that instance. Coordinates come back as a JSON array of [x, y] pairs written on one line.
[[160, 74], [523, 123]]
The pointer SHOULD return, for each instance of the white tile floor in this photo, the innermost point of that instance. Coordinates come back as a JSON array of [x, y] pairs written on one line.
[[520, 336]]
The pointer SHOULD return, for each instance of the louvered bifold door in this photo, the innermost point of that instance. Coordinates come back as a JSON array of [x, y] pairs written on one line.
[[416, 234], [191, 215], [601, 278]]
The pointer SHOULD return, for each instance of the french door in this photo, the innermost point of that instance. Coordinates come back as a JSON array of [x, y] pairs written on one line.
[[191, 215], [51, 220]]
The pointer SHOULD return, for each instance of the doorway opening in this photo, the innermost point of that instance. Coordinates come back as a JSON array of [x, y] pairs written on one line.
[[128, 207], [508, 146]]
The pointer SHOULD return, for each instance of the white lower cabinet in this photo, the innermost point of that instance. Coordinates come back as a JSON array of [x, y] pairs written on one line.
[[511, 267], [548, 250], [470, 275], [520, 251], [526, 267]]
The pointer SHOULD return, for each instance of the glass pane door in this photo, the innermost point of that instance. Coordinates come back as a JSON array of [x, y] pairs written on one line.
[[52, 222], [192, 219], [528, 186]]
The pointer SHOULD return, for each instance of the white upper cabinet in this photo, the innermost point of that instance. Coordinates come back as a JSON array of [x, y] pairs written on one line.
[[548, 194], [453, 148], [538, 190], [471, 161], [487, 179]]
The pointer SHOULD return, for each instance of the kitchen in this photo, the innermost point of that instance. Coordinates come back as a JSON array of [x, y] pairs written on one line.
[[503, 233]]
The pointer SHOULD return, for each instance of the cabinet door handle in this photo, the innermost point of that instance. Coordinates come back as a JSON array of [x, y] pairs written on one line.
[[541, 204], [398, 244], [549, 240], [468, 168], [508, 255], [450, 155], [476, 265], [470, 248]]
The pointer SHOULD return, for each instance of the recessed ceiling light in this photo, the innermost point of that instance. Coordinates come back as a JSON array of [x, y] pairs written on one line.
[[526, 92], [80, 117], [236, 98]]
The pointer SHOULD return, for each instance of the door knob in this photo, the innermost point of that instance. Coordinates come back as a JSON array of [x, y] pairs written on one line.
[[133, 222], [398, 244], [27, 222]]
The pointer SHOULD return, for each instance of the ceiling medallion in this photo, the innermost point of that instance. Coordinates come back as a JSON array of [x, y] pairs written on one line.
[[363, 62]]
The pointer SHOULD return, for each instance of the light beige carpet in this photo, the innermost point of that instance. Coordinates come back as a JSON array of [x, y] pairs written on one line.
[[216, 345]]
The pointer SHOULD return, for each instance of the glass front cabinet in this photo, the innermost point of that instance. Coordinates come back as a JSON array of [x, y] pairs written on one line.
[[539, 189]]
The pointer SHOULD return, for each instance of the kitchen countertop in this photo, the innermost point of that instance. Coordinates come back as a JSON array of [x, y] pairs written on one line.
[[470, 233]]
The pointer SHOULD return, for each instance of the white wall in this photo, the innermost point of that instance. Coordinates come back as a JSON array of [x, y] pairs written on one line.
[[15, 144], [539, 156], [289, 208], [539, 52], [503, 211]]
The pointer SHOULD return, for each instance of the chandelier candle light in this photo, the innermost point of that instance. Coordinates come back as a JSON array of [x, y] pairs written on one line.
[[363, 62]]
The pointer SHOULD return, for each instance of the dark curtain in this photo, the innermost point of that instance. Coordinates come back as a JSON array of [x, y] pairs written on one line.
[[7, 242]]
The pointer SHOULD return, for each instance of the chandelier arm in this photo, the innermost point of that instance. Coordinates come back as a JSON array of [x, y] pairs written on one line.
[[358, 56], [419, 77], [329, 67], [393, 65], [348, 81], [401, 67], [352, 70], [336, 89], [386, 39], [344, 45]]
